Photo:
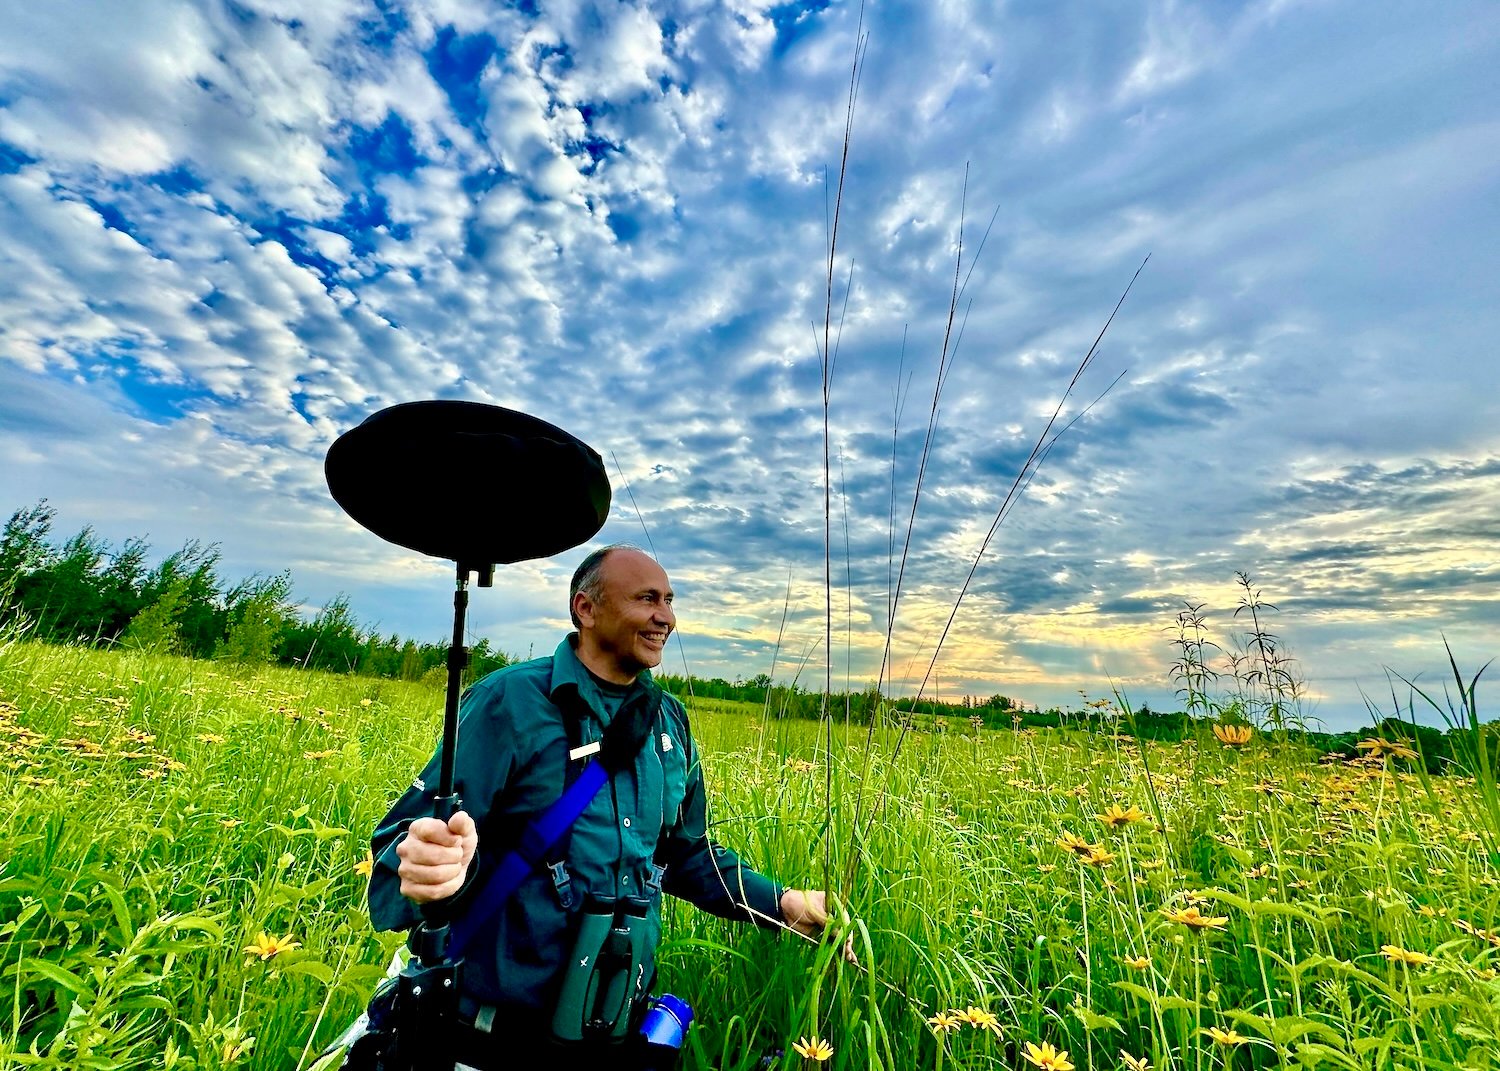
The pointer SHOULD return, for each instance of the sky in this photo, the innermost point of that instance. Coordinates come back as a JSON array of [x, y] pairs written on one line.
[[231, 231]]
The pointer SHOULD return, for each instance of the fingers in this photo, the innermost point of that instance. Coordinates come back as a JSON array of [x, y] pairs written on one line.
[[435, 857], [430, 831], [816, 908], [805, 911]]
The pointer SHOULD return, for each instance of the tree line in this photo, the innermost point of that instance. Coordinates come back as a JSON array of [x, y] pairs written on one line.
[[85, 591]]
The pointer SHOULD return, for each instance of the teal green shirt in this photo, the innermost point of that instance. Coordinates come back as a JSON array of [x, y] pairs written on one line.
[[510, 766]]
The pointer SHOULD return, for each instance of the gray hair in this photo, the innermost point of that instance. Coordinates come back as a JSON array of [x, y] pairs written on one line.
[[589, 577]]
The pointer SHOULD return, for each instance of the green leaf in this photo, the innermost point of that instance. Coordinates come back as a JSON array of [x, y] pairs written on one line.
[[1136, 990], [107, 883], [53, 972], [1474, 1033], [1162, 1003], [1368, 1045], [1284, 1030], [363, 976], [1313, 1054], [312, 968], [1093, 1021], [1273, 907]]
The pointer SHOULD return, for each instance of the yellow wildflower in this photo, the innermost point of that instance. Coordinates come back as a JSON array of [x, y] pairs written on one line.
[[234, 1048], [1116, 816], [944, 1021], [268, 946], [1233, 735], [365, 865], [813, 1048], [981, 1019], [1048, 1058], [1379, 749], [1134, 1063], [1195, 920], [1226, 1037], [1071, 842], [1397, 954], [1099, 857], [1138, 963]]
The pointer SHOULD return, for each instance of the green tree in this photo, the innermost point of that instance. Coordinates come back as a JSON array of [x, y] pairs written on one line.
[[158, 626], [62, 595], [120, 586], [258, 610], [23, 543], [199, 610], [332, 640], [23, 550]]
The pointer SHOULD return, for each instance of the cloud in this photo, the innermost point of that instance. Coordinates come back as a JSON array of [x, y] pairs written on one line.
[[234, 230]]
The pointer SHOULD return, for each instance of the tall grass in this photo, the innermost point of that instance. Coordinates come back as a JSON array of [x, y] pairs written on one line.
[[161, 815]]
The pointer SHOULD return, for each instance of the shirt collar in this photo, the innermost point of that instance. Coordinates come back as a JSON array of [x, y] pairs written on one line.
[[568, 671]]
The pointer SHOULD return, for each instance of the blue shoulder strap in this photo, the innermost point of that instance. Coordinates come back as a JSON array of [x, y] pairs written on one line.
[[544, 832]]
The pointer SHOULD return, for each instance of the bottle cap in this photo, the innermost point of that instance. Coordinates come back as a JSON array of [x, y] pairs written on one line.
[[667, 1021]]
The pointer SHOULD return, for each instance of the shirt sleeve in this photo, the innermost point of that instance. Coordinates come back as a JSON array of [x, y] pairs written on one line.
[[481, 769], [707, 874]]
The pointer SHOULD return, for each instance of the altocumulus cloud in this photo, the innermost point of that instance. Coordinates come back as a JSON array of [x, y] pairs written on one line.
[[234, 230]]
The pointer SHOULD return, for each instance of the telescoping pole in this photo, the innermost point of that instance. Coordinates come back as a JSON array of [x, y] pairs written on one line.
[[446, 803]]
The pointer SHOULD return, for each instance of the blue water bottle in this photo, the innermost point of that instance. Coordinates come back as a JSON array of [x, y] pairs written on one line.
[[662, 1031]]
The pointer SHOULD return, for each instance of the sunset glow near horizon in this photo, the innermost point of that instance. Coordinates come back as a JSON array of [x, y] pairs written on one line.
[[233, 231]]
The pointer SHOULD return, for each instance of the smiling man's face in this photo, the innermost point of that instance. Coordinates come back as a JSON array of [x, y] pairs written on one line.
[[626, 630]]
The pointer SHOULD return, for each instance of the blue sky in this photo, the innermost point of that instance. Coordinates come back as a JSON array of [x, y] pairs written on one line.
[[232, 231]]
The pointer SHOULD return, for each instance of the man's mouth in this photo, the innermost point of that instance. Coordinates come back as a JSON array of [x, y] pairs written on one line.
[[658, 639]]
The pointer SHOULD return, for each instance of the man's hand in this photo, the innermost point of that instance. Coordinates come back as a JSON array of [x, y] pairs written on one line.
[[806, 911], [435, 857]]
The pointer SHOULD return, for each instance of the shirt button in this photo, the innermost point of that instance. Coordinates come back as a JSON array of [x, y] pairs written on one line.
[[627, 823]]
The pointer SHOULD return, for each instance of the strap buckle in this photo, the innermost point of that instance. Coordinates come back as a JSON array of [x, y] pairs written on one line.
[[653, 879], [562, 884]]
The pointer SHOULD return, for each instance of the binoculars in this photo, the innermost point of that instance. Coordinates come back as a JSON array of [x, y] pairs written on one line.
[[606, 973]]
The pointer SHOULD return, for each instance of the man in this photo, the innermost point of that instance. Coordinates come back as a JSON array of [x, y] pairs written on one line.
[[644, 833]]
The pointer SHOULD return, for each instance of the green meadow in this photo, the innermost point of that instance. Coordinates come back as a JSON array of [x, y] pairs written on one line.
[[185, 843]]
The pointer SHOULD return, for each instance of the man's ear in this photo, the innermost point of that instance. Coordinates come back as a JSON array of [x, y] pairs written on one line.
[[583, 608]]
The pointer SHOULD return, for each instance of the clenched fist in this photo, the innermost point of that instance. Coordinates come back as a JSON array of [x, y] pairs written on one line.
[[806, 911], [435, 857]]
